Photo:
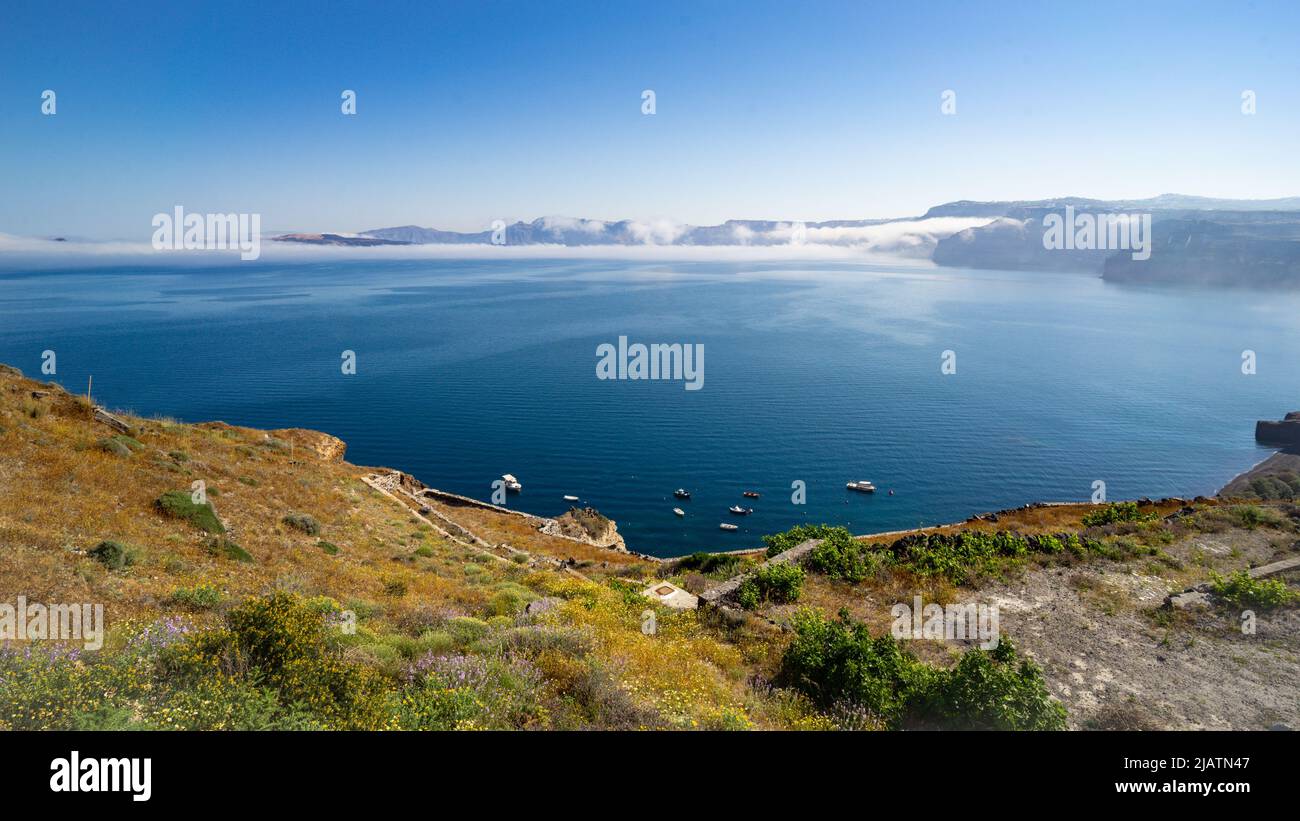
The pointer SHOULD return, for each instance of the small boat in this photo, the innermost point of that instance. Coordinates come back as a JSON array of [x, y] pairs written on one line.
[[741, 511], [511, 482], [750, 494], [681, 494], [861, 487], [726, 526], [679, 511], [570, 498]]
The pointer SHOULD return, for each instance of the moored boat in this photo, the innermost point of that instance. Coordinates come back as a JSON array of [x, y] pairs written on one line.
[[679, 511], [750, 494], [741, 511], [861, 487], [726, 526], [511, 482], [681, 494]]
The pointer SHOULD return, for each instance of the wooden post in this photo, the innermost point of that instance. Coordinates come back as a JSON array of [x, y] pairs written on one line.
[[90, 383]]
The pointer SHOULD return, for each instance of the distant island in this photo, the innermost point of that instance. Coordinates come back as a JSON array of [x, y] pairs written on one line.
[[1192, 240]]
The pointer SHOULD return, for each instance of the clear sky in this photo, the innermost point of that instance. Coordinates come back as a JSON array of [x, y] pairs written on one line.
[[469, 112]]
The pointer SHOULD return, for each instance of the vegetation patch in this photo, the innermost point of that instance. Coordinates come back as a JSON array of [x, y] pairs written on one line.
[[177, 504], [113, 555], [1117, 512], [227, 549], [841, 668], [776, 583], [303, 522], [1242, 590], [329, 547], [842, 557], [199, 597], [795, 536]]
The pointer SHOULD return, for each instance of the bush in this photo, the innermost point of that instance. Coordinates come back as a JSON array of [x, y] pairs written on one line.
[[956, 556], [114, 447], [510, 599], [328, 547], [795, 536], [178, 505], [199, 597], [709, 564], [840, 556], [303, 522], [1251, 517], [227, 549], [279, 644], [113, 555], [1118, 512], [841, 668], [776, 583], [1242, 590]]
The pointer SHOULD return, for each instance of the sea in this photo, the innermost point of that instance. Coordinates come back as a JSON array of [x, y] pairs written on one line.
[[955, 392]]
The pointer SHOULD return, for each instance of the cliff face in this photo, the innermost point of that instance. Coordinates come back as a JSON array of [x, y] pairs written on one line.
[[587, 525], [329, 448], [1285, 433], [1254, 248]]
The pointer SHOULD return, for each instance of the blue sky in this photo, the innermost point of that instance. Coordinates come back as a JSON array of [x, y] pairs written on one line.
[[469, 112]]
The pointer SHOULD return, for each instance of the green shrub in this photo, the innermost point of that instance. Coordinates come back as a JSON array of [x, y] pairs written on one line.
[[1251, 517], [114, 447], [840, 556], [279, 644], [776, 583], [710, 564], [178, 505], [328, 547], [113, 555], [838, 665], [795, 536], [510, 599], [956, 556], [303, 522], [1242, 590], [467, 629], [1117, 512], [227, 549], [199, 597]]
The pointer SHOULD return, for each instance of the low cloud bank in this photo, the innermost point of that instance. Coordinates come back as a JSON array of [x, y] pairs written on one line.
[[914, 239]]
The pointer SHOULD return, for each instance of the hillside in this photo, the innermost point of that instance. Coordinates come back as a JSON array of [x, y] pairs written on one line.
[[306, 592]]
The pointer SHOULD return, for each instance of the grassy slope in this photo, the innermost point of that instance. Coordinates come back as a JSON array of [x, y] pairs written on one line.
[[61, 493]]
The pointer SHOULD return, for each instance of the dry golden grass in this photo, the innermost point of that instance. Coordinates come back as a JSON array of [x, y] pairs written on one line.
[[61, 494]]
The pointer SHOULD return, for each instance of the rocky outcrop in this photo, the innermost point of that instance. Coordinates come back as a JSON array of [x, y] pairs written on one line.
[[587, 525], [329, 448], [1285, 433]]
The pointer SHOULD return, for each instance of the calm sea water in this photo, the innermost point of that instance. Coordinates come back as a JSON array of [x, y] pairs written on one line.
[[820, 373]]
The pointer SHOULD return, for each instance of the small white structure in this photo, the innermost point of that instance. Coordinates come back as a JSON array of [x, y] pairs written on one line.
[[670, 595], [511, 482]]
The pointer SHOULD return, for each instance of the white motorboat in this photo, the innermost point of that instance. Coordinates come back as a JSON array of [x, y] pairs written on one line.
[[511, 482], [861, 487]]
